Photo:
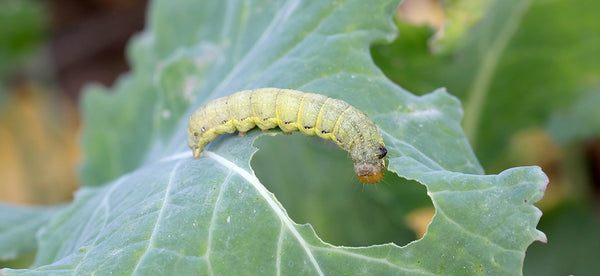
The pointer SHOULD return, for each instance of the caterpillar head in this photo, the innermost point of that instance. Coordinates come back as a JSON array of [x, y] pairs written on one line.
[[371, 172]]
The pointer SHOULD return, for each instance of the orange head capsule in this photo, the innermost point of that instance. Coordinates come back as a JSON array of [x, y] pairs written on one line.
[[371, 179], [370, 169]]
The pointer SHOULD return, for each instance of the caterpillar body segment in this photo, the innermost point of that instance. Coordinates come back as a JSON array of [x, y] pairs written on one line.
[[291, 110]]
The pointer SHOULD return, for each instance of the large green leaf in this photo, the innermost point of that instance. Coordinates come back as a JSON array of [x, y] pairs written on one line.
[[213, 215], [18, 227], [165, 213]]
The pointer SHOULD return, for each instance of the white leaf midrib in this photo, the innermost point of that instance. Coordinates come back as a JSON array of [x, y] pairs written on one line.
[[287, 222]]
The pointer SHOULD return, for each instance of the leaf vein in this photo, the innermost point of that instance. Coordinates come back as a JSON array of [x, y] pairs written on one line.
[[276, 207], [378, 260], [213, 222], [103, 206], [467, 231], [160, 216]]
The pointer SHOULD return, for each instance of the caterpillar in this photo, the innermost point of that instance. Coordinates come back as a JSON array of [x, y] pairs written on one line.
[[290, 110]]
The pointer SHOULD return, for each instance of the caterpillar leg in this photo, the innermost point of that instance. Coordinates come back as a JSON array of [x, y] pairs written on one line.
[[196, 152], [241, 134]]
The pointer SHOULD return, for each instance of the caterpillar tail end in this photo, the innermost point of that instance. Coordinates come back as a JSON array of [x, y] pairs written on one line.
[[371, 179], [196, 152]]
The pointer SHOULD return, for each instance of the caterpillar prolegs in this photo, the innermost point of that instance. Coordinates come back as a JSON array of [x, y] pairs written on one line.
[[290, 110]]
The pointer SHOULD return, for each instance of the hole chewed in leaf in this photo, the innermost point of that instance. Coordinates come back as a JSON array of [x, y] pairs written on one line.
[[315, 182]]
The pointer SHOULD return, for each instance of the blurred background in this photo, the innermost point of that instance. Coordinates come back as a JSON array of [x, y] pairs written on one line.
[[49, 50], [527, 73]]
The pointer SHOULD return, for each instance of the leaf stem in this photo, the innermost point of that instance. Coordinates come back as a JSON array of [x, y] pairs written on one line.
[[479, 89]]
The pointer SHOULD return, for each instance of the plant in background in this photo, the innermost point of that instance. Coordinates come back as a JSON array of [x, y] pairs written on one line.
[[147, 207]]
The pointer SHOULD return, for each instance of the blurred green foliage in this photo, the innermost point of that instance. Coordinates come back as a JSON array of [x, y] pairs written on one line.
[[546, 77], [550, 59], [22, 24], [573, 242], [580, 122]]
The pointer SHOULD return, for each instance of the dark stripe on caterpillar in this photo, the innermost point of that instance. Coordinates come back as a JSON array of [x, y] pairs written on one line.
[[291, 110]]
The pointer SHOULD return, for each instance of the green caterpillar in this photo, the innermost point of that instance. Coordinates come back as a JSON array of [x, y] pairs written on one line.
[[290, 110]]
